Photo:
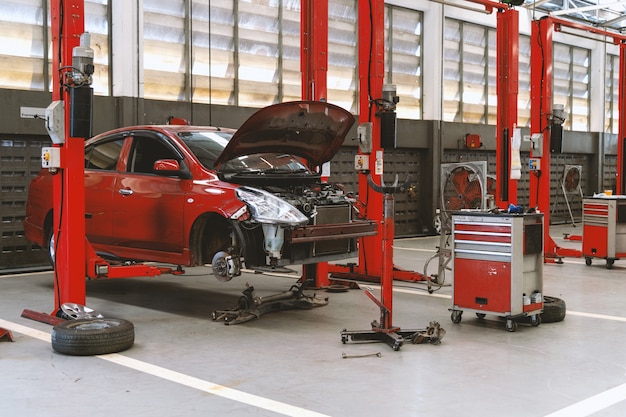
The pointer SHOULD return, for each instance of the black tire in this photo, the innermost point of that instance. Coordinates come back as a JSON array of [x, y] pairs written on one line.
[[51, 247], [88, 337], [553, 309]]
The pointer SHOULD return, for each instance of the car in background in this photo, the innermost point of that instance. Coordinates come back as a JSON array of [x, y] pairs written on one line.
[[194, 195]]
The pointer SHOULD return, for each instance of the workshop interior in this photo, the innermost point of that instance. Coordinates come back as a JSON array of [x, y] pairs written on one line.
[[393, 207]]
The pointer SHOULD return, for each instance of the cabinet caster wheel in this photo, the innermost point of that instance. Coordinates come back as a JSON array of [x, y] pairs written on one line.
[[511, 325], [480, 315], [535, 320], [456, 316], [587, 261], [609, 263]]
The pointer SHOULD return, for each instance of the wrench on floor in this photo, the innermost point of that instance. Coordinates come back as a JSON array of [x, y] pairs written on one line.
[[345, 356]]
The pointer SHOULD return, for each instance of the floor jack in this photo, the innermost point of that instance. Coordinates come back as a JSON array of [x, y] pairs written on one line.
[[384, 331]]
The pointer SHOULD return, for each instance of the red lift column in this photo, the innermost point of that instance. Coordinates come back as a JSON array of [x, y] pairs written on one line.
[[371, 77], [507, 56], [540, 109], [67, 18], [314, 49], [540, 112], [620, 185], [314, 67]]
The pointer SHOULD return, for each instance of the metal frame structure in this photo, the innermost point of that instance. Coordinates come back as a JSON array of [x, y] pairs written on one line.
[[541, 118], [371, 69], [507, 88]]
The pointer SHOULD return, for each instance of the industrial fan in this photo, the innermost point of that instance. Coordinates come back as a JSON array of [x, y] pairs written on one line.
[[463, 187], [570, 184]]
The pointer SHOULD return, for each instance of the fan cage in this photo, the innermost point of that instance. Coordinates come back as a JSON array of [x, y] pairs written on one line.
[[463, 186]]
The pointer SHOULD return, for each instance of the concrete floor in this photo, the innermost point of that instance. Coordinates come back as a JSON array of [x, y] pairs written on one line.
[[290, 362]]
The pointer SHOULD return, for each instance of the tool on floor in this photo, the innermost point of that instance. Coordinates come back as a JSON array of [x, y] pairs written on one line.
[[385, 331], [365, 355], [251, 306], [5, 335]]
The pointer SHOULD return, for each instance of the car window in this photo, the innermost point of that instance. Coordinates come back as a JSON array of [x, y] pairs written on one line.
[[206, 145], [146, 151], [104, 154]]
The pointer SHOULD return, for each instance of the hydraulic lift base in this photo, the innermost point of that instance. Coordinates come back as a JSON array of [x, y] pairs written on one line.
[[395, 337]]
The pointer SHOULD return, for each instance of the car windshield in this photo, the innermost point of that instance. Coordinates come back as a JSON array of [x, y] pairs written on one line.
[[207, 146]]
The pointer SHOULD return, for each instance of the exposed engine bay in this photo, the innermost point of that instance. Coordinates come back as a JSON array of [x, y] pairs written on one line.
[[308, 198]]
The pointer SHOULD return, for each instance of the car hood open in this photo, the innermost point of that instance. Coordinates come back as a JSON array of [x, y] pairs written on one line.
[[313, 130]]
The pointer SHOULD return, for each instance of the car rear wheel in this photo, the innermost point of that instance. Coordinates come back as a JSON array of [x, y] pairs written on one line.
[[51, 247]]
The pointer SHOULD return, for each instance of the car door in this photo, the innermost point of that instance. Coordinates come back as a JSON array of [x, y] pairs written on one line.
[[147, 206], [101, 170]]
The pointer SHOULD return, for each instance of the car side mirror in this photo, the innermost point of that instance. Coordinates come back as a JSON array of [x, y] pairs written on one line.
[[170, 167]]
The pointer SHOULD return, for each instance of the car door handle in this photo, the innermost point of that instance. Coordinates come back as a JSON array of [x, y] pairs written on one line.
[[125, 191]]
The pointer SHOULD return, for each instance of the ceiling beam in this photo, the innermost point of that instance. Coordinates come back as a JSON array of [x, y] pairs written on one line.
[[585, 8]]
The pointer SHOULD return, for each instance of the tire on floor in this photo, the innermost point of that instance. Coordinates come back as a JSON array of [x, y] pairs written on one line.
[[87, 337], [553, 309]]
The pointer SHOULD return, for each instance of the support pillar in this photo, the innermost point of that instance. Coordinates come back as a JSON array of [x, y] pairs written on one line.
[[371, 43], [541, 61], [507, 56], [67, 24], [314, 67], [620, 183]]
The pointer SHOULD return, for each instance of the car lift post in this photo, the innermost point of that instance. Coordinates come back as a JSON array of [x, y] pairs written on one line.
[[314, 67], [75, 258], [371, 43], [67, 25], [620, 182], [542, 119], [507, 86]]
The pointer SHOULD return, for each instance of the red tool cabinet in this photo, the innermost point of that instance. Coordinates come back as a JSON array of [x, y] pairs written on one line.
[[604, 228], [497, 266]]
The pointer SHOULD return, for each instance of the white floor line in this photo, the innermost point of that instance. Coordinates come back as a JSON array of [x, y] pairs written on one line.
[[596, 316], [180, 378], [593, 404], [582, 408]]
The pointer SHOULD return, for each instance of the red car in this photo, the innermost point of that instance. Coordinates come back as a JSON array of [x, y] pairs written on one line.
[[190, 195]]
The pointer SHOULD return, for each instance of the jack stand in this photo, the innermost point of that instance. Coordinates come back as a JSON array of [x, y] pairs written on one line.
[[252, 307], [384, 331], [393, 336]]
